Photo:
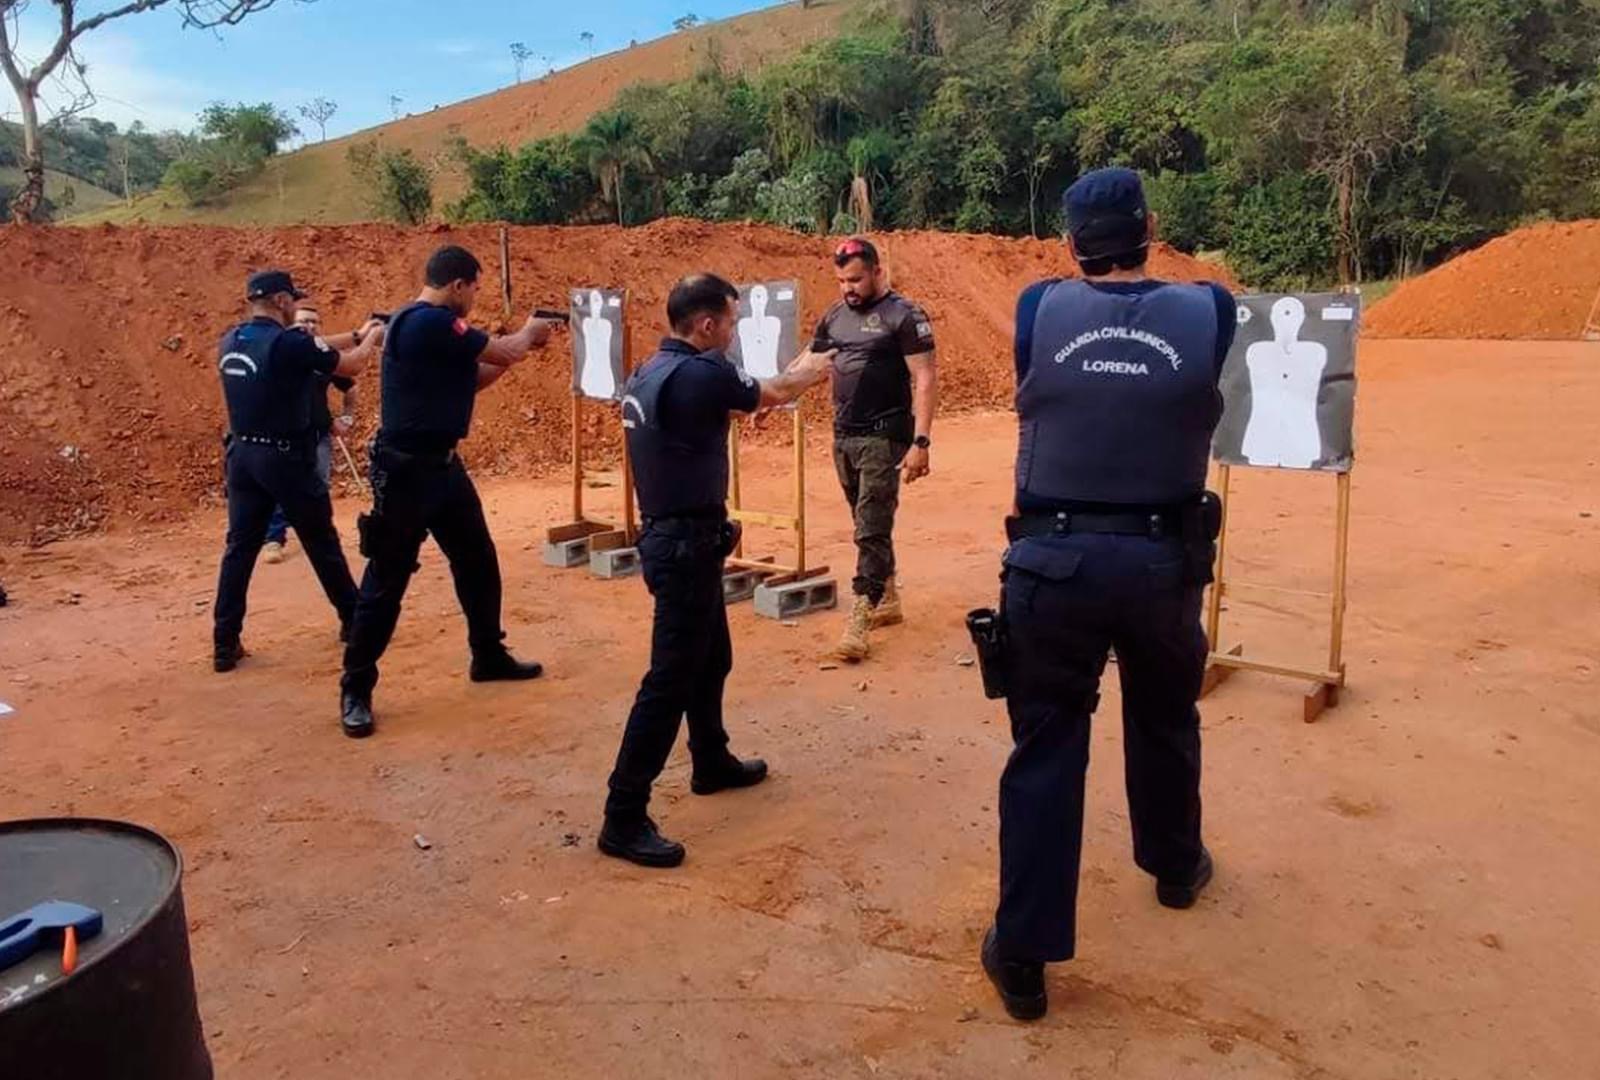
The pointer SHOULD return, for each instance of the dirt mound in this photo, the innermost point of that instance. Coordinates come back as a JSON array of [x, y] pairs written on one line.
[[110, 406], [1535, 283]]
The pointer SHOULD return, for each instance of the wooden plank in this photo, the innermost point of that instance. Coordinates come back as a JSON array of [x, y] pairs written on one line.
[[759, 517], [609, 541], [1317, 700], [799, 489], [766, 562], [1214, 607], [1239, 663], [560, 534], [790, 575], [1216, 674], [1341, 571]]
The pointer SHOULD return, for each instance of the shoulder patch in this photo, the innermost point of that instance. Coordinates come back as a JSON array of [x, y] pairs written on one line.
[[460, 327], [745, 377], [323, 345]]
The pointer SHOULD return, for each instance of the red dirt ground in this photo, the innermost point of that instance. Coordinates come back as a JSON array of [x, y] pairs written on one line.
[[1535, 283], [110, 407], [1405, 890]]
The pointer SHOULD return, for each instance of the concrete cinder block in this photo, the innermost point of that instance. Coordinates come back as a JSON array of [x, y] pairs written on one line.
[[796, 598], [740, 585], [567, 554], [614, 563]]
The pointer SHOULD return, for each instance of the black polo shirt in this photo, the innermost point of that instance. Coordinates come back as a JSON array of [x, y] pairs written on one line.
[[321, 417], [871, 380], [430, 377]]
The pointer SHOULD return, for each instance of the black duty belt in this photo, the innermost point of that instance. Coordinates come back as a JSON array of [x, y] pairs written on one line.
[[1158, 523], [284, 443], [884, 425], [694, 519]]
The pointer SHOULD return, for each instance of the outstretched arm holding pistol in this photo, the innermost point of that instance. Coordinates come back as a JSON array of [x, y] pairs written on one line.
[[808, 369], [508, 350]]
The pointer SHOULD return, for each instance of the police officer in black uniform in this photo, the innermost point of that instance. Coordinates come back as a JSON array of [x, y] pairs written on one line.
[[1112, 543], [434, 365], [675, 411], [270, 372]]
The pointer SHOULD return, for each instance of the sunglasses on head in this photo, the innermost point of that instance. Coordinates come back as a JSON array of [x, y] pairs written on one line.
[[850, 249]]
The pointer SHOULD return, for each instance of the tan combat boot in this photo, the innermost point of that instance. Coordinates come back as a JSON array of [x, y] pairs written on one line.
[[854, 646], [888, 612]]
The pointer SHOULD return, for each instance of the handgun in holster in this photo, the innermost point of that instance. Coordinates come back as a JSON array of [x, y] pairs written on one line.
[[732, 532], [988, 630], [1202, 524]]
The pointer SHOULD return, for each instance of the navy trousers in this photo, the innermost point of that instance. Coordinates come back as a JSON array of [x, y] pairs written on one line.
[[1067, 601], [691, 655], [260, 478]]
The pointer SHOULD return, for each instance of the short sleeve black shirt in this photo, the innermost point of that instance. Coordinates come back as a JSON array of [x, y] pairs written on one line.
[[871, 380], [430, 377]]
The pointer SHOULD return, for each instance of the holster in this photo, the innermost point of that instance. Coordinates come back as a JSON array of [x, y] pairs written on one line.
[[732, 532], [988, 630], [1202, 524]]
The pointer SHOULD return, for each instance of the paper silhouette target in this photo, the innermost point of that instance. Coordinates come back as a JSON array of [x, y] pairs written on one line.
[[769, 328], [1289, 384], [596, 330]]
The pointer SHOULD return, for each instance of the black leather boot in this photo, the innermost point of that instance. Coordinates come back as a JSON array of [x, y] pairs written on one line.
[[225, 656], [1020, 983], [355, 716], [640, 842], [503, 667], [1183, 894], [727, 774]]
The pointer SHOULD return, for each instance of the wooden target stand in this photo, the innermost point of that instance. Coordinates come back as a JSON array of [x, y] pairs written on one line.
[[1221, 665], [1591, 325], [772, 572], [596, 534]]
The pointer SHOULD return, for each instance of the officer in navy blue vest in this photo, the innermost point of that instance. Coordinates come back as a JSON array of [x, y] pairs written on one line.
[[1111, 546], [675, 411], [435, 364], [270, 372]]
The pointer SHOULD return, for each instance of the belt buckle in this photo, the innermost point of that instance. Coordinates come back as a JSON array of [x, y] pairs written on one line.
[[1062, 525], [1157, 527]]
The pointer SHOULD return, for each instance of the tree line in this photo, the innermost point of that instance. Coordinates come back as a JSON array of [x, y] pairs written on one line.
[[1312, 141]]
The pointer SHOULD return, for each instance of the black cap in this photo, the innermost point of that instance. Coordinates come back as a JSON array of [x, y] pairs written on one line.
[[269, 282], [1107, 214]]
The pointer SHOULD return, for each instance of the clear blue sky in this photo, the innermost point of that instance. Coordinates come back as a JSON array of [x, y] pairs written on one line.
[[357, 52]]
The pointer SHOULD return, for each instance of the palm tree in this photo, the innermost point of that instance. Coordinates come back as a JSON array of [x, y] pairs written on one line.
[[612, 144]]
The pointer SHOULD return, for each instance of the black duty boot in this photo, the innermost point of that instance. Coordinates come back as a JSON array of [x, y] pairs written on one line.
[[1183, 894], [225, 655], [503, 667], [729, 773], [640, 842], [355, 716], [1020, 983]]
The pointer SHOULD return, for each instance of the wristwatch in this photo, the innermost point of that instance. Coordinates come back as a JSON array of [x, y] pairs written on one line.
[[922, 442]]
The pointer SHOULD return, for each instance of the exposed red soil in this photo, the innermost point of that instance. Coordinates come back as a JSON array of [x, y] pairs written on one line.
[[109, 400]]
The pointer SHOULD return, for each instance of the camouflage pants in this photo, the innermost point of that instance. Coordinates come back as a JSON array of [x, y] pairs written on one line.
[[869, 472]]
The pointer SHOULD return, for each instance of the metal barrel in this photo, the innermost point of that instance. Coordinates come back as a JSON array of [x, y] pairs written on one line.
[[127, 1011]]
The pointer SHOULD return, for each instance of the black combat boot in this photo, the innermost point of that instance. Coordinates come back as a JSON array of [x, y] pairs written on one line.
[[727, 774], [640, 842], [225, 655], [501, 666], [355, 715], [1183, 894], [1020, 982]]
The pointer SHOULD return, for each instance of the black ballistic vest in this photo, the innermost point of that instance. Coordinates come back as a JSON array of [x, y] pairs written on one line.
[[676, 472], [1120, 398], [264, 397]]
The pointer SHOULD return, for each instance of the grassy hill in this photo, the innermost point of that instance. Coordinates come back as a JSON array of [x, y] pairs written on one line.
[[86, 197], [314, 184]]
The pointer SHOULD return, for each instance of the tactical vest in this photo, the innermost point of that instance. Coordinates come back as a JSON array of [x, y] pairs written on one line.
[[1120, 397], [264, 398], [423, 398], [674, 475]]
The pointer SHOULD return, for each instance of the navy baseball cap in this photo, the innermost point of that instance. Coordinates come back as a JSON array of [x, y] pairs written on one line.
[[270, 282], [1107, 214]]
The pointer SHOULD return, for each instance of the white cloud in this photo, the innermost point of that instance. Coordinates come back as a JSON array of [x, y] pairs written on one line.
[[129, 85], [457, 48]]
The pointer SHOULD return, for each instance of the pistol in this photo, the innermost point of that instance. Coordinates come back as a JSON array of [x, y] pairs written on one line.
[[552, 316]]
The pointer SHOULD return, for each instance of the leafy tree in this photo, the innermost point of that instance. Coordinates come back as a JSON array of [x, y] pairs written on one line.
[[261, 127], [686, 22], [612, 144], [399, 187], [519, 57], [544, 183]]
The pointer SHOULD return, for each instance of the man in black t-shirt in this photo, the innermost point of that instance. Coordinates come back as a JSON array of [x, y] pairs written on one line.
[[675, 411], [434, 365], [268, 370], [307, 318], [885, 395]]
